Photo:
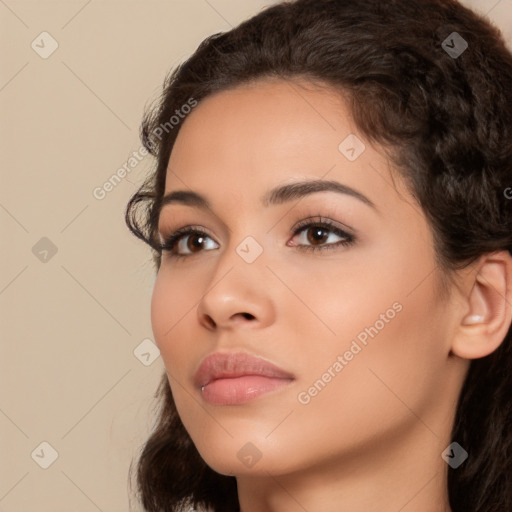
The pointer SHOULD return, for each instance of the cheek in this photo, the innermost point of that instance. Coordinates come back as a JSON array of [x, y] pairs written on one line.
[[397, 370], [171, 305], [381, 314]]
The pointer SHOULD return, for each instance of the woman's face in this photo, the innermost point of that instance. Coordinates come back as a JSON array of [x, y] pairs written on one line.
[[351, 317]]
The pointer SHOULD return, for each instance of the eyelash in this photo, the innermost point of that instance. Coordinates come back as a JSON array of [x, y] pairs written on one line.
[[171, 241]]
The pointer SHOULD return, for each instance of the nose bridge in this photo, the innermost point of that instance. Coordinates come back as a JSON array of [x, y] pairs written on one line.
[[237, 285], [242, 262], [246, 238]]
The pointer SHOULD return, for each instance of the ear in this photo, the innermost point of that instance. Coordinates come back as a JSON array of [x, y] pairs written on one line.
[[487, 309]]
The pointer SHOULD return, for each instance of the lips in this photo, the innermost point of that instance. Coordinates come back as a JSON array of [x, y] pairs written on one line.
[[235, 378]]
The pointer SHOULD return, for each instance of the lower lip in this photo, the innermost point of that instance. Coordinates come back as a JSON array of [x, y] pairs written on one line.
[[239, 390]]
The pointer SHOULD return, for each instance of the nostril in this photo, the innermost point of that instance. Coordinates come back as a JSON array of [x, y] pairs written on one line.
[[210, 321]]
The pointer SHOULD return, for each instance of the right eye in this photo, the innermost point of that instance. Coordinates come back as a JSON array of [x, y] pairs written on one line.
[[185, 239]]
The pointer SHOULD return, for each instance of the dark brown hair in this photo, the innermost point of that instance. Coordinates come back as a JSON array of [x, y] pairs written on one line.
[[446, 120]]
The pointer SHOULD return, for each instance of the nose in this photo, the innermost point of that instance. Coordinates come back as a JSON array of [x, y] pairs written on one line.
[[237, 297]]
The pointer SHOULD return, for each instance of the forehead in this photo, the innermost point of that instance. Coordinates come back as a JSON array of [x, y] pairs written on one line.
[[280, 117], [241, 142]]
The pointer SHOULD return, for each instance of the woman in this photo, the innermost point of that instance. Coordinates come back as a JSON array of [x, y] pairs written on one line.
[[332, 235]]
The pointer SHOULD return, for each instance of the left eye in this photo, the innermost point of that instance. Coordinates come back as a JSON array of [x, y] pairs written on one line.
[[321, 233]]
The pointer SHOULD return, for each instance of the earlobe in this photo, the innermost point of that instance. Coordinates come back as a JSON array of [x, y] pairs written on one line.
[[488, 309]]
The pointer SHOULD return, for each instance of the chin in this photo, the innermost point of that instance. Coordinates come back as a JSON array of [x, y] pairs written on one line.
[[247, 454]]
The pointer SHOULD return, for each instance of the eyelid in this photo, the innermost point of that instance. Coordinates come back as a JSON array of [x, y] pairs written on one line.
[[304, 220], [298, 226], [320, 219], [183, 232]]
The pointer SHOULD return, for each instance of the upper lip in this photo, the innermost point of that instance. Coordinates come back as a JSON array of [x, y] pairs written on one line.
[[229, 365]]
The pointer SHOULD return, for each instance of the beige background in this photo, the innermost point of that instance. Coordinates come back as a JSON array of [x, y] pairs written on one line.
[[70, 321]]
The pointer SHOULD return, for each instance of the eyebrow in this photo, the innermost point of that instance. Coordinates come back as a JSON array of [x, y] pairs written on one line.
[[276, 196]]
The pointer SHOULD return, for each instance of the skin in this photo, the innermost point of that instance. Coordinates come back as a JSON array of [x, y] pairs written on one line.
[[372, 438]]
